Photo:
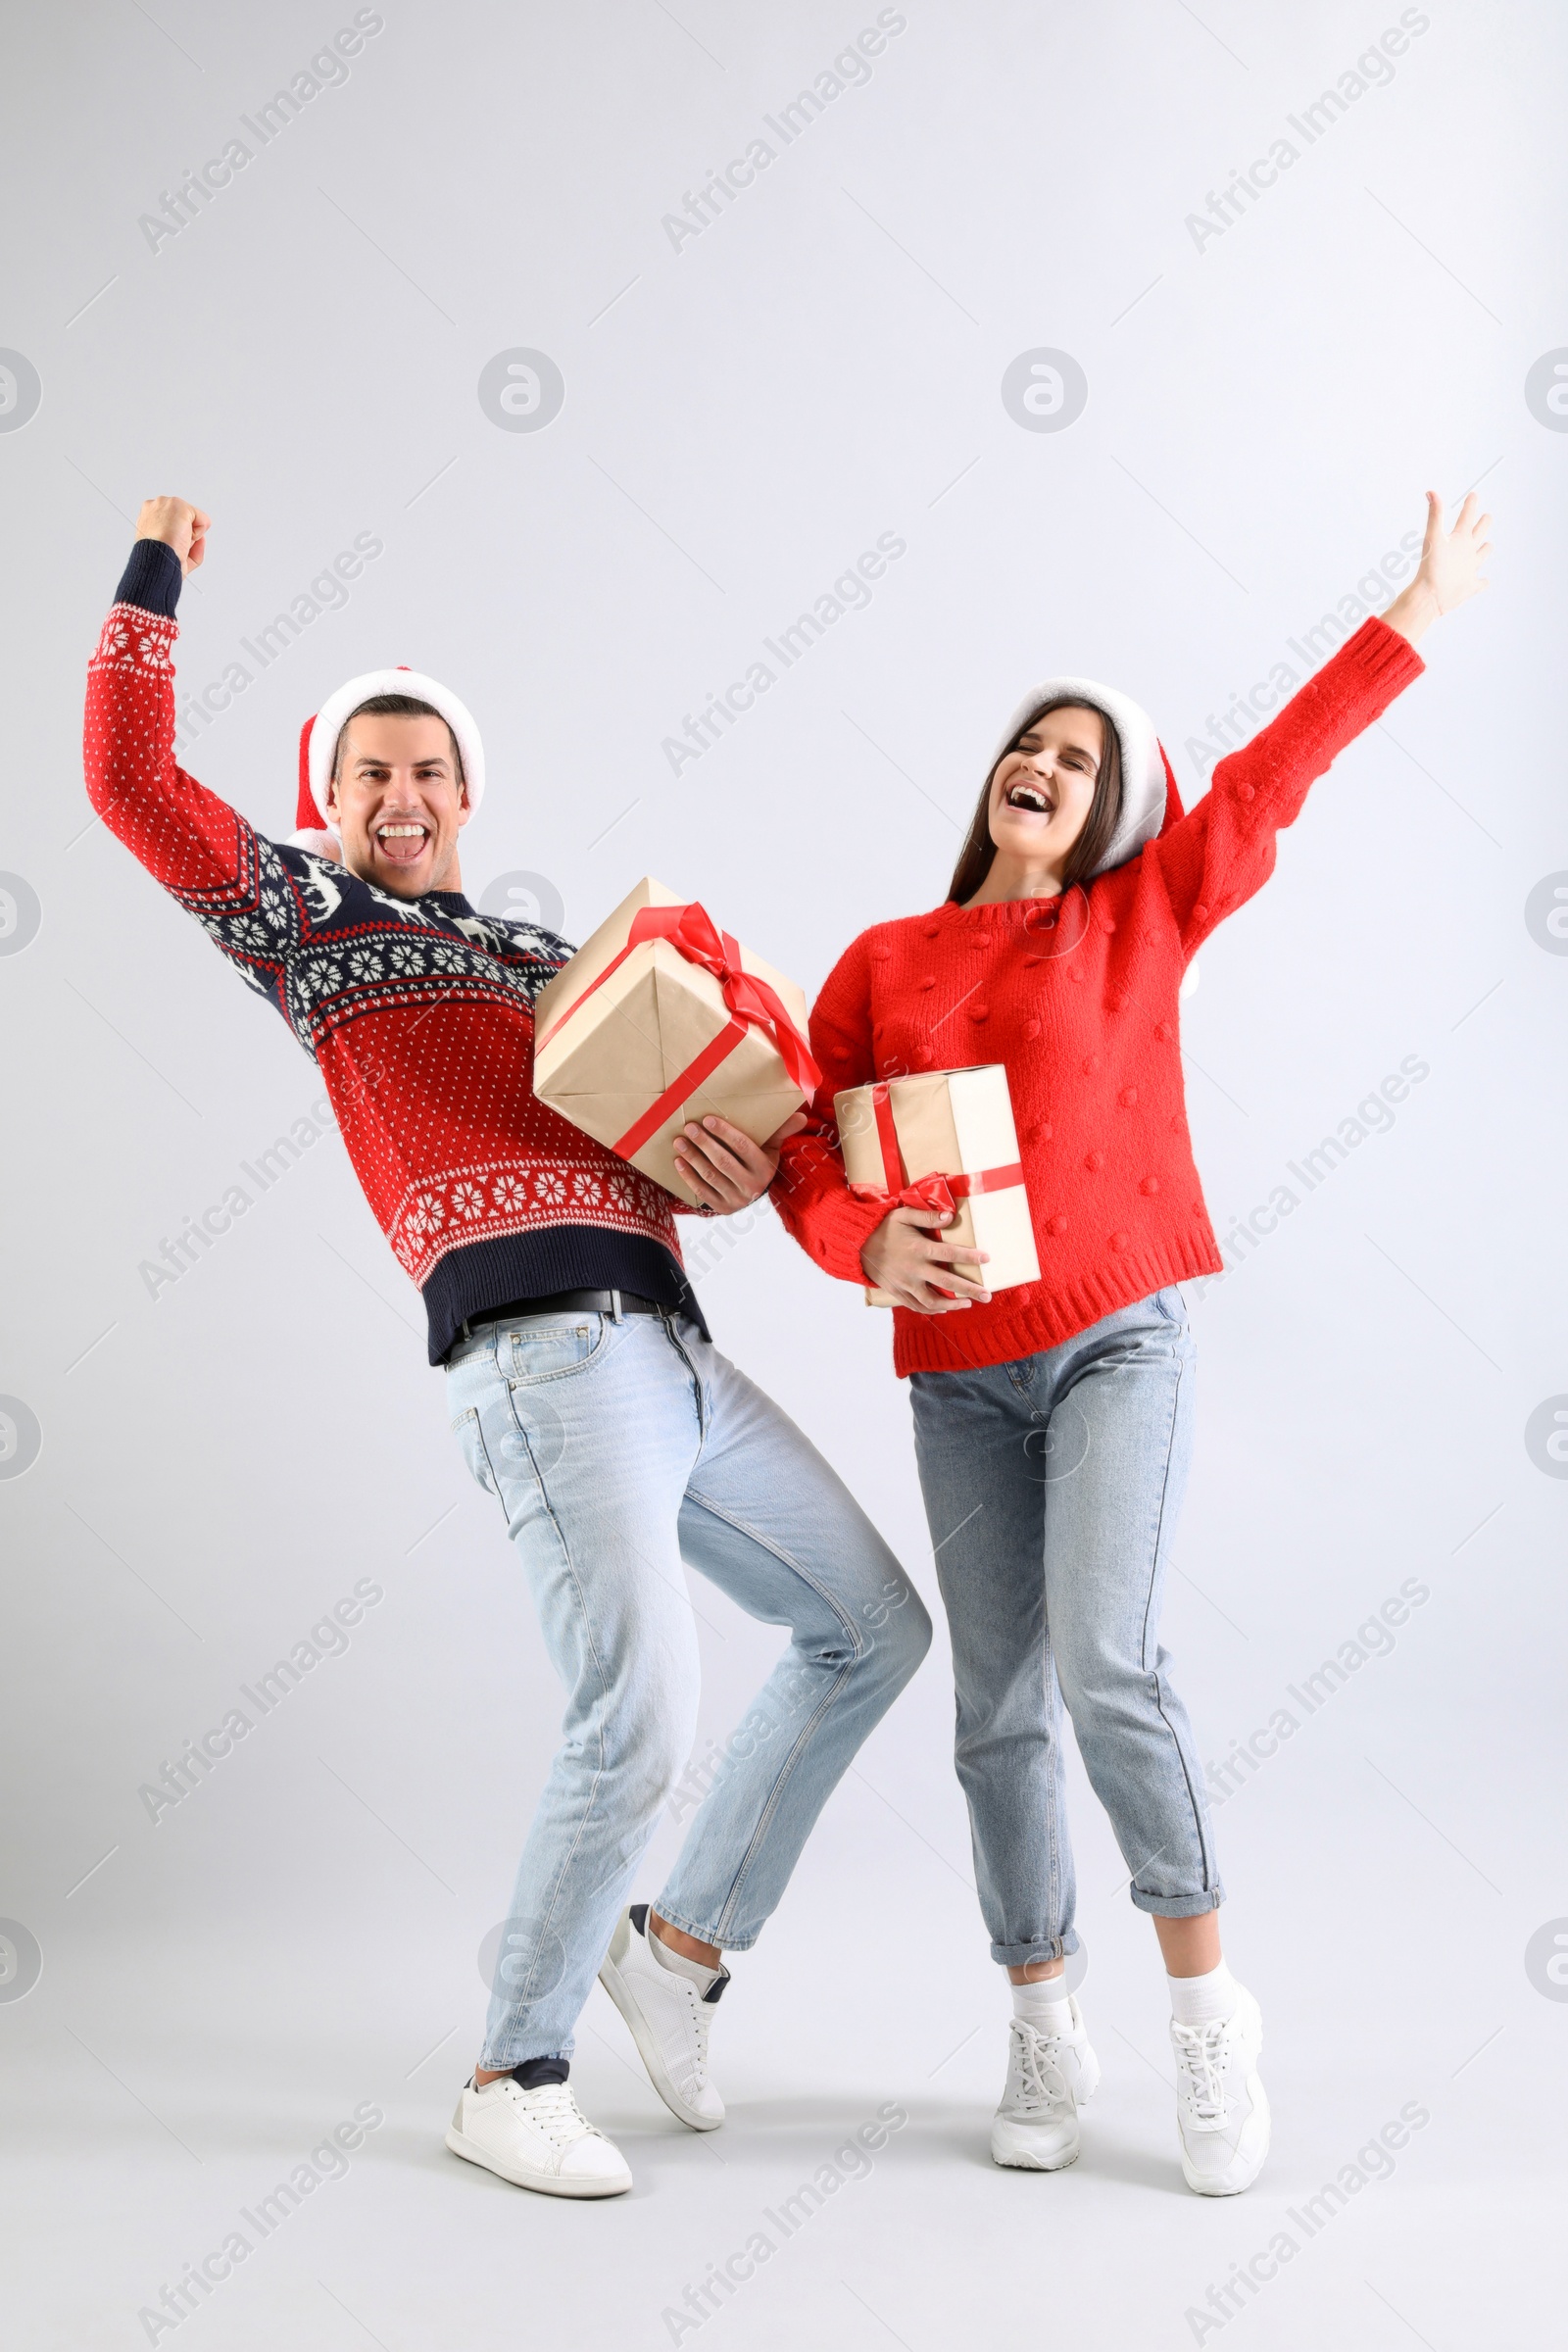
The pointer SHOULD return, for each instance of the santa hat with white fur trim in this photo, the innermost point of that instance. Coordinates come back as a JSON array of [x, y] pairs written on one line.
[[318, 743], [1149, 801]]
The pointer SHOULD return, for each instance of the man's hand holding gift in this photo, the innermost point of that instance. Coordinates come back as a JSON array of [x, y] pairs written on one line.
[[678, 1049], [724, 1168]]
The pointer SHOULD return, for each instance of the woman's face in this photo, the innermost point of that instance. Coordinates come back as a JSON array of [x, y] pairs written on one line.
[[1042, 793]]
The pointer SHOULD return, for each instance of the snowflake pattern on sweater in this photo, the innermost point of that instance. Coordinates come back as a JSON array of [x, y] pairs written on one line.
[[419, 1011]]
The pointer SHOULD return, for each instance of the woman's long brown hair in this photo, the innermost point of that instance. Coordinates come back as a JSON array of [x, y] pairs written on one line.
[[979, 850]]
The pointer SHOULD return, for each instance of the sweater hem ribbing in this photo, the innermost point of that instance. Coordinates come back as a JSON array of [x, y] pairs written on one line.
[[952, 1342]]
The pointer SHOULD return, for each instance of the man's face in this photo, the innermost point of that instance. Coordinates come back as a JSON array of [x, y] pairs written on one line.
[[399, 805]]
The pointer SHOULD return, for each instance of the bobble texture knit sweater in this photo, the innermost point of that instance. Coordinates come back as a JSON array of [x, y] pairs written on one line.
[[1076, 996]]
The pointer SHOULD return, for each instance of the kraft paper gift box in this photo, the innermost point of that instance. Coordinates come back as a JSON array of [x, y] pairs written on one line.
[[660, 1018], [945, 1139]]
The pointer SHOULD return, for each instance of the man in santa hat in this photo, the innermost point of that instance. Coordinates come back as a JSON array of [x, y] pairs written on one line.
[[589, 1398]]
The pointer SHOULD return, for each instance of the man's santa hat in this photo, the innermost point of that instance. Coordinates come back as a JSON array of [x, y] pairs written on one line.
[[1150, 800], [319, 745]]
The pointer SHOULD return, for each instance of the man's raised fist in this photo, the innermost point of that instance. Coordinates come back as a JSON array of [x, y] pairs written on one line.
[[179, 525]]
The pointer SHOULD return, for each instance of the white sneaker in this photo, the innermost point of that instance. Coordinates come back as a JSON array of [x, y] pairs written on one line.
[[1220, 2103], [1050, 2075], [668, 2017], [537, 2139]]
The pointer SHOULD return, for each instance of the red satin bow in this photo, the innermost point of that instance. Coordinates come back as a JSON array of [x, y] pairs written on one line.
[[693, 933], [752, 1004], [933, 1193], [936, 1193]]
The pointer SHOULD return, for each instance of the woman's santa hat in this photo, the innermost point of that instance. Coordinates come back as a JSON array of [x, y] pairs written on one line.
[[319, 745], [1149, 801]]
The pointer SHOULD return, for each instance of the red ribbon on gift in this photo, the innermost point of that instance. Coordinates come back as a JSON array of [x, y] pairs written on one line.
[[752, 1004], [936, 1193]]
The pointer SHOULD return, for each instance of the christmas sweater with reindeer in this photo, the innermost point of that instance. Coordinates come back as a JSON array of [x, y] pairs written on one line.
[[419, 1011]]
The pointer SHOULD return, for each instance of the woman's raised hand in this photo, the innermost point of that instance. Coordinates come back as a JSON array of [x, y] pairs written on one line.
[[1449, 571]]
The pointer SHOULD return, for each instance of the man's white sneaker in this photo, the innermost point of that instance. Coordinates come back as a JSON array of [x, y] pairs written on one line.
[[669, 2013], [1050, 2075], [538, 2139], [1220, 2103]]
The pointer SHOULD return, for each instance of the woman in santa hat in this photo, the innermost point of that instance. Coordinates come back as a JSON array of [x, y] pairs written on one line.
[[1052, 1421]]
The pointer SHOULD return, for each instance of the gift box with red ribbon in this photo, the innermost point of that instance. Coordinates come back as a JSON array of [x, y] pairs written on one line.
[[944, 1140], [661, 1018]]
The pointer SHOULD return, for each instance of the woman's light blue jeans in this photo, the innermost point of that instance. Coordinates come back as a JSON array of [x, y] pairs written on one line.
[[616, 1451], [1051, 1487]]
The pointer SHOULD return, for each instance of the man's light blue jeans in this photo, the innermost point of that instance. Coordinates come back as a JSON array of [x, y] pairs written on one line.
[[616, 1449], [1052, 1488]]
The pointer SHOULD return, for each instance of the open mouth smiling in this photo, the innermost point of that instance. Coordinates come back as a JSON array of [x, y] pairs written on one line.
[[1031, 799], [403, 840]]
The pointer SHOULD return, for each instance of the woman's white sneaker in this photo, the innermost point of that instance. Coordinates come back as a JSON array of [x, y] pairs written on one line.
[[1221, 2108], [1050, 2075], [537, 2139], [668, 2002]]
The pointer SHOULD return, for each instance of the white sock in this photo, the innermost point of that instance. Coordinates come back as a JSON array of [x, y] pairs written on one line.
[[1199, 2000], [668, 1957], [1044, 2004]]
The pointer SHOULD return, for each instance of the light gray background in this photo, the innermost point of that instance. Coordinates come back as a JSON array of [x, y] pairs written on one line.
[[219, 1465]]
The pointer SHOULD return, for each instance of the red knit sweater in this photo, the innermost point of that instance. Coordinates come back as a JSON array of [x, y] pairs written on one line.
[[419, 1011], [1077, 996]]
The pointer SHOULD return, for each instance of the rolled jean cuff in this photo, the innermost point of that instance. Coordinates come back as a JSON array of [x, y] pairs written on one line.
[[1044, 1947], [1178, 1906], [502, 2062], [704, 1934]]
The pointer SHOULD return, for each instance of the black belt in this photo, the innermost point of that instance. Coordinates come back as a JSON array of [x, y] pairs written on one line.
[[555, 1302]]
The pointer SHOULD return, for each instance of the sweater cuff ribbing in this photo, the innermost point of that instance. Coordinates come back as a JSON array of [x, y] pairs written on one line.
[[152, 578], [830, 1224], [1388, 662]]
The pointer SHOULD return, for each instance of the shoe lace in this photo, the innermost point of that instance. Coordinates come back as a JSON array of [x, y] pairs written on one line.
[[553, 2108], [699, 2019], [1201, 2052], [1041, 2081]]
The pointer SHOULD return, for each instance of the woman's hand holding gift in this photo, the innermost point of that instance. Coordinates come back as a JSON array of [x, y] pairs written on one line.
[[907, 1255]]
